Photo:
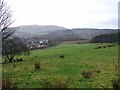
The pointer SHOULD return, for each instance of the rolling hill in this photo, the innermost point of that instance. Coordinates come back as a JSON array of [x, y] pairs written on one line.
[[36, 30], [52, 31], [80, 33]]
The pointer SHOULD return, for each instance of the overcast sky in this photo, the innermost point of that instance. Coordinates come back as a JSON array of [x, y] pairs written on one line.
[[66, 13]]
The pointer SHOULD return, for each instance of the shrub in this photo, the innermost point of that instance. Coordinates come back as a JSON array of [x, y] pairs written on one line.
[[109, 45], [61, 56], [104, 46], [98, 47], [37, 65], [35, 56], [87, 74]]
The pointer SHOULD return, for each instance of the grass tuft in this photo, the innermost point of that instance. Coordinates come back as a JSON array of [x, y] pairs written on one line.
[[37, 66], [14, 65], [55, 83], [87, 74]]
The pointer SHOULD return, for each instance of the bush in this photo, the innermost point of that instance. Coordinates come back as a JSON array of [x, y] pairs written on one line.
[[37, 65], [104, 46], [87, 74], [35, 56], [61, 56]]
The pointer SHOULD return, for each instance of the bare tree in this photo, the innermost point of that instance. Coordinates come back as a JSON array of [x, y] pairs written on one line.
[[5, 20]]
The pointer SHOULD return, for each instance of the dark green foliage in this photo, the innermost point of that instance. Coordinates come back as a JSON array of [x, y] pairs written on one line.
[[99, 47], [105, 46], [61, 56], [107, 38]]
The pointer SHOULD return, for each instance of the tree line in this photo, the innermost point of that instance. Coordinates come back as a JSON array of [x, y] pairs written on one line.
[[107, 38]]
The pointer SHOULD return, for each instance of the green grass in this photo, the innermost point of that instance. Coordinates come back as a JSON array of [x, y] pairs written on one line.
[[77, 58]]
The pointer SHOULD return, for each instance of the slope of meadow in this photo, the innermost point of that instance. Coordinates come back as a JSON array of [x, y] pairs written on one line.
[[67, 70]]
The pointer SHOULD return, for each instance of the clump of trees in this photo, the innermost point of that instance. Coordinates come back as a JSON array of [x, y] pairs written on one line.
[[12, 47], [107, 38]]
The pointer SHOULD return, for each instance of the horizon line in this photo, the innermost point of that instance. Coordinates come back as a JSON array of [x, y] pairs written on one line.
[[63, 26]]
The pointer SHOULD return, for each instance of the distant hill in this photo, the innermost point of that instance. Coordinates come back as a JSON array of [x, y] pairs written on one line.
[[89, 33], [33, 30], [39, 28], [80, 33], [57, 32]]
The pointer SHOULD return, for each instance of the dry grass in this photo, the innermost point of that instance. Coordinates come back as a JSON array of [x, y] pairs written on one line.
[[7, 84], [87, 73]]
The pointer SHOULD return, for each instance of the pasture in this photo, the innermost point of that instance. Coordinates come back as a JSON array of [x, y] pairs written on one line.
[[65, 65]]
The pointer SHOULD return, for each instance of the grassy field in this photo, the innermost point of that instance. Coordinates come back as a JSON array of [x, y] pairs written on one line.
[[100, 66]]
